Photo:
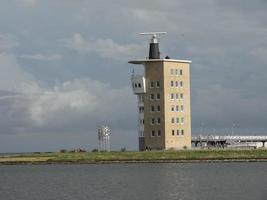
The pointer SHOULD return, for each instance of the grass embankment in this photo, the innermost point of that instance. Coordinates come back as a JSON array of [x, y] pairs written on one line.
[[134, 156]]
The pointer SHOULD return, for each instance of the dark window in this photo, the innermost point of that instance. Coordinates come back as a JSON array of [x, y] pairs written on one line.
[[158, 96], [159, 133], [158, 120], [152, 96], [152, 121], [182, 132], [152, 84], [158, 84], [173, 132], [177, 132], [139, 85], [181, 72], [152, 108], [153, 133], [158, 108]]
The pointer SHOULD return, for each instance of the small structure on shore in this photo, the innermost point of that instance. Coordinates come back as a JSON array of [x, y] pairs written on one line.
[[104, 138], [229, 141]]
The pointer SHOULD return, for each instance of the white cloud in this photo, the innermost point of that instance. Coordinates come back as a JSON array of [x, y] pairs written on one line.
[[105, 48], [77, 104], [43, 57]]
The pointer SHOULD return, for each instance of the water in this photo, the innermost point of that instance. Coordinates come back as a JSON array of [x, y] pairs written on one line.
[[135, 181]]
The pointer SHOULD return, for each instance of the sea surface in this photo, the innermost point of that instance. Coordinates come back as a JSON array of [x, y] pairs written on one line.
[[207, 181]]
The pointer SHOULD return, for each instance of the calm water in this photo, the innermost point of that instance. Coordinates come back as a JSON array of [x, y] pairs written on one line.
[[135, 181]]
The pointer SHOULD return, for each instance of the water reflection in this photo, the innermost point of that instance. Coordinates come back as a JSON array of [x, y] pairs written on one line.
[[134, 181]]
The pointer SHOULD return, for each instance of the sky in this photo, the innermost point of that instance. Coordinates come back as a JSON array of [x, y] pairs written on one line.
[[64, 67]]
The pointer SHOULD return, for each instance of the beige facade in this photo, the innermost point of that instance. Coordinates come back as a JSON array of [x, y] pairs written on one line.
[[167, 114]]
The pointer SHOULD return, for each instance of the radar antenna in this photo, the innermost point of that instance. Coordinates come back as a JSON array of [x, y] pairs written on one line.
[[154, 52]]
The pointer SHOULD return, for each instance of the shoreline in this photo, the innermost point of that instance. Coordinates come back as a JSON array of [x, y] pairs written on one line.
[[101, 162], [135, 157]]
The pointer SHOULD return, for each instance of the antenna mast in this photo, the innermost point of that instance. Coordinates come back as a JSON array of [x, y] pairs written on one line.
[[154, 52]]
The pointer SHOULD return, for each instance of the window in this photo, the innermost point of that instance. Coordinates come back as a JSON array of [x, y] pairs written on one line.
[[173, 132], [172, 96], [177, 132], [152, 133], [152, 97], [151, 84], [158, 108], [182, 108], [182, 132], [181, 84], [177, 120], [177, 95], [182, 120], [182, 96], [157, 84], [159, 133], [143, 121], [176, 71], [176, 83], [177, 108], [172, 71], [172, 108], [152, 121], [181, 72], [152, 108], [172, 84], [141, 109], [139, 85], [135, 85], [172, 120], [158, 96], [158, 120]]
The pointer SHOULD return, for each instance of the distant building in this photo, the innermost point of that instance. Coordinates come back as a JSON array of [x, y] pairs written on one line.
[[163, 93]]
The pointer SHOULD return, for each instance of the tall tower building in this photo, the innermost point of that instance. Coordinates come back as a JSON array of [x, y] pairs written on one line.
[[163, 93]]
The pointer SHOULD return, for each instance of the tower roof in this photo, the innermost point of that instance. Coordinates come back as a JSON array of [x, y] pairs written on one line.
[[143, 61]]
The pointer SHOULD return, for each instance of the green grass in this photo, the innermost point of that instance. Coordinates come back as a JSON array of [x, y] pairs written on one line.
[[92, 157]]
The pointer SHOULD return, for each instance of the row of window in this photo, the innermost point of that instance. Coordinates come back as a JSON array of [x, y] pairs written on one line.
[[177, 84], [153, 84], [176, 72], [155, 108], [177, 108], [154, 120], [178, 132], [177, 120], [137, 85], [177, 96], [155, 96], [153, 133]]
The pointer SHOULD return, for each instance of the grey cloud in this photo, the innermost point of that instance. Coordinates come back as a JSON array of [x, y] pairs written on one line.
[[43, 57], [105, 48], [8, 42]]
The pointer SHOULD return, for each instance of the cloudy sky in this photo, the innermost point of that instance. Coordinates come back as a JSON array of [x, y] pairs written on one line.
[[64, 70]]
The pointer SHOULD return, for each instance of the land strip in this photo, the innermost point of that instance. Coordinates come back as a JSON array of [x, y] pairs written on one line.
[[182, 156]]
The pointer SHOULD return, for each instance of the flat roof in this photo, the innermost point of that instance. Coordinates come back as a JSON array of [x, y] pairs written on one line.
[[142, 61]]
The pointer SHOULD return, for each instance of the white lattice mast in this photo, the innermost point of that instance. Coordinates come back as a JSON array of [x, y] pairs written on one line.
[[104, 138]]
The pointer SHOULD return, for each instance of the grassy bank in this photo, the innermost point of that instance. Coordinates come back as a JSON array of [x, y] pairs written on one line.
[[134, 156]]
